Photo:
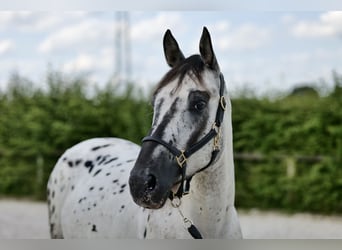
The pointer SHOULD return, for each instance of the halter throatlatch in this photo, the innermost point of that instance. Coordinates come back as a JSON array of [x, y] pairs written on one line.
[[182, 155]]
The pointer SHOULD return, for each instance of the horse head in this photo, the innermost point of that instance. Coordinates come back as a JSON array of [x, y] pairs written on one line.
[[188, 107]]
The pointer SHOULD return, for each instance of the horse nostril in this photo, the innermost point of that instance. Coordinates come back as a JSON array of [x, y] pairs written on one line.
[[151, 182]]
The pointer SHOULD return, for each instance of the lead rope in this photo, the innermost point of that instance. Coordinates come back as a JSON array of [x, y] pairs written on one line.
[[192, 229]]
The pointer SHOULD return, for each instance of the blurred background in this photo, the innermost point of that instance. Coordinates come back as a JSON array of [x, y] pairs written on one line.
[[69, 76]]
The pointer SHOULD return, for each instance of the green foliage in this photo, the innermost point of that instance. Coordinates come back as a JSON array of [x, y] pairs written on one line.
[[304, 125], [266, 185], [38, 125]]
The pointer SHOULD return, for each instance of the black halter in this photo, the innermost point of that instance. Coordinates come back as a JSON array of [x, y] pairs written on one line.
[[183, 155]]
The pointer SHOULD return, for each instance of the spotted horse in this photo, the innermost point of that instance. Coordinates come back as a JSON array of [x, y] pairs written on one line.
[[178, 184]]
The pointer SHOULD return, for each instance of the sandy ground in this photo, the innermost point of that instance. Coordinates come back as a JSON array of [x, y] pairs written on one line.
[[28, 220]]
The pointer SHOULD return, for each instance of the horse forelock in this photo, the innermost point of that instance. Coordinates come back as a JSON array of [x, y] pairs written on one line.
[[192, 66]]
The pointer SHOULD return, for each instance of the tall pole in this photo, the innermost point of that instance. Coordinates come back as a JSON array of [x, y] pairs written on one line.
[[118, 45], [127, 42], [122, 71]]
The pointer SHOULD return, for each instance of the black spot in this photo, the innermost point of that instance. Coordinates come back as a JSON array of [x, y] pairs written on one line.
[[91, 188], [107, 174], [55, 181], [123, 186], [121, 191], [115, 181], [114, 193], [148, 218], [94, 228], [110, 160], [104, 158], [82, 199], [98, 147], [170, 213], [72, 187], [53, 209], [130, 160], [218, 220], [98, 171], [78, 162], [90, 165], [101, 188], [48, 192], [145, 232], [122, 207], [94, 205], [98, 158], [53, 194], [201, 208], [119, 164], [64, 159], [71, 164]]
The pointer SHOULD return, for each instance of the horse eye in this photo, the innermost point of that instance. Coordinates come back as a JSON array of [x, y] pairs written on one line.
[[199, 106]]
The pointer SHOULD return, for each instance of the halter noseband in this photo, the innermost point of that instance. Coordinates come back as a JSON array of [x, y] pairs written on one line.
[[183, 155]]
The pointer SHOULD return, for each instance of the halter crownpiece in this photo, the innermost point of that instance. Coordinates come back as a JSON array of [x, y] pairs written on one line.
[[182, 155]]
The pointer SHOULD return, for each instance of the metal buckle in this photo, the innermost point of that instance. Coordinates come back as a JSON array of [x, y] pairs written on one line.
[[181, 159], [215, 127], [216, 146], [217, 137], [187, 223], [223, 103]]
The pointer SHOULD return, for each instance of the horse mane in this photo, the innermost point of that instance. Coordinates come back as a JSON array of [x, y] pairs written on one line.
[[193, 66]]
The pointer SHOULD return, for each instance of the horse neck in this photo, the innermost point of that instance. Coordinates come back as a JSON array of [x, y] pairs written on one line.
[[216, 184]]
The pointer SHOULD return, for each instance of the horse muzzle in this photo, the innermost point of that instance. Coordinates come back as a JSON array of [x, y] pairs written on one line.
[[150, 185], [146, 190]]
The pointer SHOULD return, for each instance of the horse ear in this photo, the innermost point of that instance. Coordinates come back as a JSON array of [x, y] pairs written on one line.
[[206, 50], [172, 52]]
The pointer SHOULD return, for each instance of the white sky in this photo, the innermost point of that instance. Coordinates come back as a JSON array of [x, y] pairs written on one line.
[[265, 50]]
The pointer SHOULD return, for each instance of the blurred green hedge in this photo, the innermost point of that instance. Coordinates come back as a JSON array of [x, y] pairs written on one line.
[[38, 125]]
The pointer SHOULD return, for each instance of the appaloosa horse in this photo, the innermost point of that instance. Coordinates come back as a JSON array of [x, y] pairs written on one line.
[[178, 184]]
